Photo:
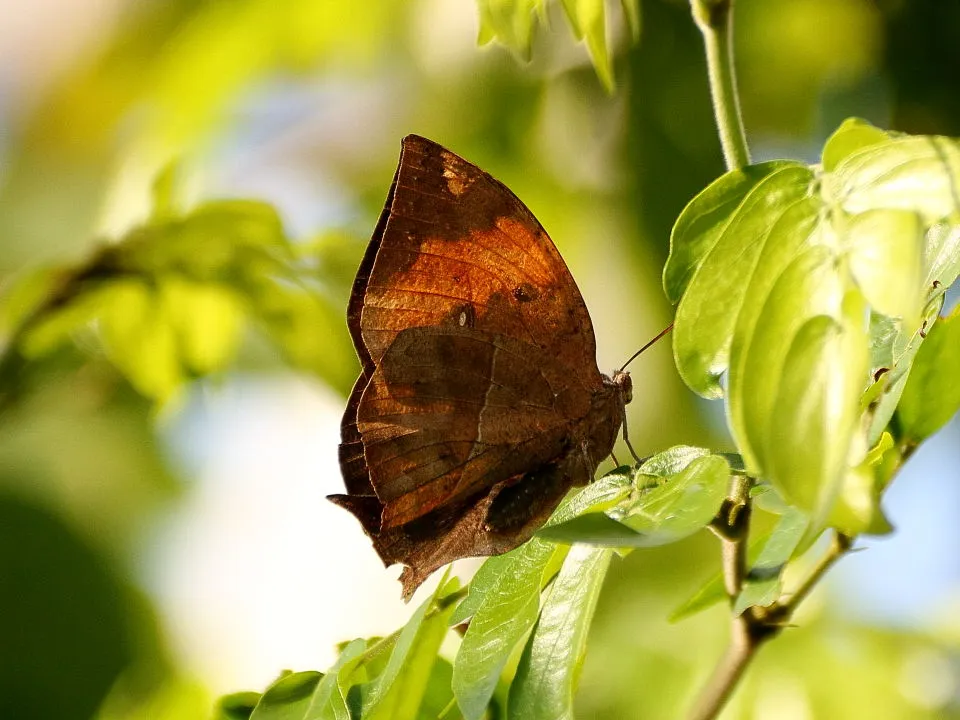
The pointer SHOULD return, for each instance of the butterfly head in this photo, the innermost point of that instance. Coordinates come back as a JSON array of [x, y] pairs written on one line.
[[621, 379]]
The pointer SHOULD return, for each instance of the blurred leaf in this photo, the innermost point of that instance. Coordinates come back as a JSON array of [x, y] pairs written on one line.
[[289, 698], [140, 339], [237, 706], [764, 581], [438, 700], [587, 19], [62, 607], [549, 669], [171, 298], [509, 604], [511, 22], [631, 13], [932, 393]]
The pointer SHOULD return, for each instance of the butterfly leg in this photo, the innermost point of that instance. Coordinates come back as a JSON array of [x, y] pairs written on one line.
[[626, 439]]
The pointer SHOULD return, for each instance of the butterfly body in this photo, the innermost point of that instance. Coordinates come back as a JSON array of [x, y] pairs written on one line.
[[479, 403]]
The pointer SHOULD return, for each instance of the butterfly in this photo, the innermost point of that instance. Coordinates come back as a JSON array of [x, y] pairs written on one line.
[[479, 403]]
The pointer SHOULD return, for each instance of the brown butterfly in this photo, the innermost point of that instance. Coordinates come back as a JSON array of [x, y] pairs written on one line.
[[479, 404]]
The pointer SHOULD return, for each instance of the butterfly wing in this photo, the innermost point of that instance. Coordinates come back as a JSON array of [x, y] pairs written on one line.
[[478, 364]]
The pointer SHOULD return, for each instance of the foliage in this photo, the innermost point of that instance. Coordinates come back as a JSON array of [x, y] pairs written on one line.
[[809, 298]]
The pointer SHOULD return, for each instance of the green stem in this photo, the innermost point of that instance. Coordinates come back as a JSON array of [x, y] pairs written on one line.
[[715, 20]]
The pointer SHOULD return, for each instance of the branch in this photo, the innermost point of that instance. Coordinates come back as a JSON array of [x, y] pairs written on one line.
[[755, 626], [715, 20]]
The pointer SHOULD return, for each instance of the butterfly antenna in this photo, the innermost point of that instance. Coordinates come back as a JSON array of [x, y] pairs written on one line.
[[633, 357]]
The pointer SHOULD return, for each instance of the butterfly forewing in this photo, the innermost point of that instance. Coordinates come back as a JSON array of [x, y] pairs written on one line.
[[479, 377]]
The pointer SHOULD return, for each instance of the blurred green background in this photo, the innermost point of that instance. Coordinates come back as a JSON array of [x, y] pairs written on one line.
[[153, 556]]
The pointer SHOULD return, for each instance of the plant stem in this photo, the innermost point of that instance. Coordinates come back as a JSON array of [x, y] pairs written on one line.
[[839, 547], [732, 526], [715, 20], [756, 625], [727, 673]]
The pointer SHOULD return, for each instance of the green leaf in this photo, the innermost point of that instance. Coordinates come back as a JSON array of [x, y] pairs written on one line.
[[678, 492], [549, 669], [511, 22], [682, 505], [858, 509], [237, 706], [713, 590], [816, 413], [398, 691], [931, 396], [703, 221], [595, 529], [631, 13], [913, 173], [288, 698], [852, 135], [671, 461], [506, 607], [438, 700], [886, 259], [764, 582], [758, 265], [715, 294], [140, 339], [942, 259], [602, 494], [329, 702], [587, 19], [206, 319]]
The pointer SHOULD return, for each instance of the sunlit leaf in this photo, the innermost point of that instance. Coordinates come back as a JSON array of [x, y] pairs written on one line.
[[681, 505], [670, 462], [816, 413], [852, 135], [587, 18], [631, 12], [140, 338], [329, 702], [703, 220], [288, 698], [917, 174], [549, 669], [511, 22], [396, 692], [237, 706], [886, 257], [509, 607], [710, 306], [931, 396]]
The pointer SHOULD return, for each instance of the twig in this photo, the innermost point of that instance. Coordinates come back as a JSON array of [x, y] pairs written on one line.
[[715, 20], [754, 627]]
